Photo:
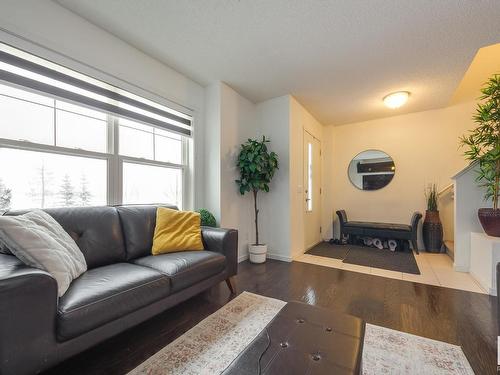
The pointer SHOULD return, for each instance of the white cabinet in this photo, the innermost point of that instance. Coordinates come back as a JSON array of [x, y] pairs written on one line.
[[484, 256]]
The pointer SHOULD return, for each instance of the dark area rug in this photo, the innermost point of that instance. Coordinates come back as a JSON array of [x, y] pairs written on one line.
[[324, 249], [400, 261]]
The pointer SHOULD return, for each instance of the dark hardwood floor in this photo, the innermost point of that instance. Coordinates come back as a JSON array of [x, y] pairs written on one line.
[[458, 317]]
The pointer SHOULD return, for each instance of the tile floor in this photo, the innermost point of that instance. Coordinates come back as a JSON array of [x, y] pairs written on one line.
[[435, 269]]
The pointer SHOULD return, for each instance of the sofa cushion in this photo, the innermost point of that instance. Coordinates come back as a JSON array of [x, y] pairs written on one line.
[[40, 242], [106, 293], [176, 231], [138, 223], [371, 225], [96, 231], [185, 268]]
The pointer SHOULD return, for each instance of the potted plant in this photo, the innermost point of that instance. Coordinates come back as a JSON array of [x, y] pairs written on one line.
[[483, 147], [257, 166], [432, 228], [207, 218]]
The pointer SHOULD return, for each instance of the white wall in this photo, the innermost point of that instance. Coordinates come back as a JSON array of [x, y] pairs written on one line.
[[469, 197], [238, 124], [212, 148], [424, 147], [230, 121], [45, 28], [273, 121]]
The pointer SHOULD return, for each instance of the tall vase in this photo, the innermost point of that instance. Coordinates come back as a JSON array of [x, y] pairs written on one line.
[[432, 231]]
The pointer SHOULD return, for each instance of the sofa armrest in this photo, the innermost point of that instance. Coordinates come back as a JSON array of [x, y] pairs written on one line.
[[224, 241], [28, 304], [415, 219]]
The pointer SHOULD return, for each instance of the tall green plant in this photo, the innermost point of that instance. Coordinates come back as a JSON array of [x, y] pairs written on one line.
[[257, 167], [483, 142], [431, 196]]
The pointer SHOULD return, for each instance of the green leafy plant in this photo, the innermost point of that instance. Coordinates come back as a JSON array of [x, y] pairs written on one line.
[[207, 219], [483, 142], [431, 197], [257, 167]]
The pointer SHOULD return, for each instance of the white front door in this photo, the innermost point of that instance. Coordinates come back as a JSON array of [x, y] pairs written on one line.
[[312, 190]]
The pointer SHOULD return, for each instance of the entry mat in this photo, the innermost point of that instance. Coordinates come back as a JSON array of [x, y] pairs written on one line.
[[400, 261]]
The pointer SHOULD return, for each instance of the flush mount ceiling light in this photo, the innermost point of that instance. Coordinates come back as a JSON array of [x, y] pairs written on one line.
[[396, 99]]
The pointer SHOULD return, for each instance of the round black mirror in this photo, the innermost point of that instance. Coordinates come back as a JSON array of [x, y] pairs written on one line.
[[371, 170]]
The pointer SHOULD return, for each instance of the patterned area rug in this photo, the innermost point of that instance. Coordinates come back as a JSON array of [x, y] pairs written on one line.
[[209, 347]]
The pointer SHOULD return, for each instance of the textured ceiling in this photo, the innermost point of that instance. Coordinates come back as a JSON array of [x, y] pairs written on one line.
[[338, 58], [485, 64]]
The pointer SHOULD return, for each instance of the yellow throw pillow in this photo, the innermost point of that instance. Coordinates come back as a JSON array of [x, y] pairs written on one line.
[[176, 231]]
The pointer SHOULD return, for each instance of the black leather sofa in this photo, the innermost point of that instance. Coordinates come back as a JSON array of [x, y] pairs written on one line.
[[382, 230], [124, 285]]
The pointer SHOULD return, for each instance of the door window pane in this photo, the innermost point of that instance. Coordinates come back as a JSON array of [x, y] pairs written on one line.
[[39, 180], [309, 178], [82, 132], [151, 184]]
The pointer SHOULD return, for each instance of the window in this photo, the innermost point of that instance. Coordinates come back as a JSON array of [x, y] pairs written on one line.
[[38, 119], [55, 154], [25, 116], [151, 184], [68, 139], [143, 141], [40, 179], [309, 197], [79, 127]]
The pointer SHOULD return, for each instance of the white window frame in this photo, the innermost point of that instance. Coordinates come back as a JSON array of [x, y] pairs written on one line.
[[114, 161]]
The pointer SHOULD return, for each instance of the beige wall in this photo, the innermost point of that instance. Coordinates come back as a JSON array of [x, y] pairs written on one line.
[[424, 146], [300, 120]]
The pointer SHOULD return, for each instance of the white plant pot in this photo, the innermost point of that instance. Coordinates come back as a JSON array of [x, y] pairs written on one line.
[[257, 253]]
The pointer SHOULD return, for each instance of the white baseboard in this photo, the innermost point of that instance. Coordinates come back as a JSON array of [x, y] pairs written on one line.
[[279, 257], [460, 268], [242, 258]]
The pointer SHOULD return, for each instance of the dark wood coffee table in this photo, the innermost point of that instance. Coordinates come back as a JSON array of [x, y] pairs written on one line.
[[304, 339]]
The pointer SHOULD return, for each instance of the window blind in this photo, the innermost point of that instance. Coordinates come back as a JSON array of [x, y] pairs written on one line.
[[24, 69]]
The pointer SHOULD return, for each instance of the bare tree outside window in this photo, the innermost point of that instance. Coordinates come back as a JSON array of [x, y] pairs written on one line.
[[84, 194], [43, 181], [5, 197], [67, 192]]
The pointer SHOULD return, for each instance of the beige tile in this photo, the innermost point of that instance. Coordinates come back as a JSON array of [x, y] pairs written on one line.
[[435, 269], [422, 260], [386, 273], [458, 280], [428, 278], [356, 268], [320, 261], [439, 261], [424, 267]]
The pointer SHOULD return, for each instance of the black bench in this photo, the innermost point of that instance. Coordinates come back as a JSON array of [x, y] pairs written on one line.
[[380, 230]]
